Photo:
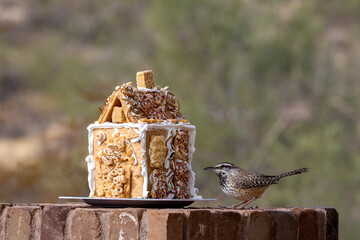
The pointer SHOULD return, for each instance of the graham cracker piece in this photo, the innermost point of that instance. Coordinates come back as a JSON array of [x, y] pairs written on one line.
[[145, 79], [98, 180], [137, 182], [118, 115], [112, 101], [127, 184], [108, 183]]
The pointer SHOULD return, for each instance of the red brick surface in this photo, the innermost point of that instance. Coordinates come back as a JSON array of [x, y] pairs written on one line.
[[164, 224], [308, 224], [199, 225], [259, 225], [53, 220], [20, 222], [285, 224], [331, 224], [81, 221], [227, 224], [122, 223], [3, 205], [83, 224]]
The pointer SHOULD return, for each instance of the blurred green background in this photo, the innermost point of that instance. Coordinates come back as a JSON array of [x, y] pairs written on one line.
[[270, 85]]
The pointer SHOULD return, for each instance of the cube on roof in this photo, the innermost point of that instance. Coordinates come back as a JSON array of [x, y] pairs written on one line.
[[145, 79]]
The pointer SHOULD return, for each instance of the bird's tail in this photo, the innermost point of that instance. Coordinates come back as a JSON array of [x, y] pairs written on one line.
[[297, 171]]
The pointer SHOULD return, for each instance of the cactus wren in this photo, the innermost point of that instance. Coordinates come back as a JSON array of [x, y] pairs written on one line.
[[245, 185]]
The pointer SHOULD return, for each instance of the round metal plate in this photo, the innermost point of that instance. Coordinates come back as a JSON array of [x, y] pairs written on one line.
[[136, 202]]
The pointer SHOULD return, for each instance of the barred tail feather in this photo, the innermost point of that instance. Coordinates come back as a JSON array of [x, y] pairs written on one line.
[[297, 171]]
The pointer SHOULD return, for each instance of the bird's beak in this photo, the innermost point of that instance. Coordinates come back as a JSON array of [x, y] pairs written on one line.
[[209, 168]]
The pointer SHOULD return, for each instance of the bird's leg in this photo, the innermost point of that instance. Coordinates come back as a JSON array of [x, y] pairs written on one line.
[[248, 202], [236, 205], [243, 204]]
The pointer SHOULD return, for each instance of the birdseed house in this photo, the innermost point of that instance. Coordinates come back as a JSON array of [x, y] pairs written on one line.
[[141, 146]]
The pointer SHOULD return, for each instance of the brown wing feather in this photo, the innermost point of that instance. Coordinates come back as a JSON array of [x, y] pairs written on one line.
[[247, 179]]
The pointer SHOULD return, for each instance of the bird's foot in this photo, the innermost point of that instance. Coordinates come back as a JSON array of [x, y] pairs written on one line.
[[235, 206], [227, 207]]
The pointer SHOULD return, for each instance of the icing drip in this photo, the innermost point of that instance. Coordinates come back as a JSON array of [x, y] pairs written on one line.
[[133, 152], [170, 184], [193, 191], [91, 164], [170, 135]]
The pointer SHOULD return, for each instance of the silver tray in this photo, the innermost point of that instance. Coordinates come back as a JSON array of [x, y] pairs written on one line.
[[136, 202]]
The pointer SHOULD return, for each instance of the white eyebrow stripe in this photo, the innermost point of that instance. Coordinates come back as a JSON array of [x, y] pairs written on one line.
[[224, 165]]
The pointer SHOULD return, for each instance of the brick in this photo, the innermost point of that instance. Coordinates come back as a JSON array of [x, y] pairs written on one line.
[[83, 224], [54, 220], [198, 224], [122, 223], [4, 205], [259, 225], [285, 224], [308, 224], [163, 224], [332, 224], [321, 217], [21, 222], [71, 205], [227, 224]]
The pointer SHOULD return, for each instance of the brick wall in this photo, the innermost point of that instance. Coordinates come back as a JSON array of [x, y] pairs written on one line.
[[80, 221]]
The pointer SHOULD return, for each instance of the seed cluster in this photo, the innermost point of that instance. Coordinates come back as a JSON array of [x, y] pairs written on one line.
[[181, 179], [158, 180], [180, 144], [173, 181], [159, 104]]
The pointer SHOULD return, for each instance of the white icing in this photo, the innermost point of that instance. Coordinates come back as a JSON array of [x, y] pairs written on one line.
[[170, 195], [91, 164], [155, 89], [141, 129], [133, 152], [102, 139], [151, 178], [115, 132], [191, 148], [171, 134], [169, 183], [117, 95]]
